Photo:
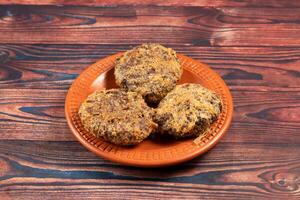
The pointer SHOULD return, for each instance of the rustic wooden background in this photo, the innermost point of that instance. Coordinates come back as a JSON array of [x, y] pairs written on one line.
[[254, 45]]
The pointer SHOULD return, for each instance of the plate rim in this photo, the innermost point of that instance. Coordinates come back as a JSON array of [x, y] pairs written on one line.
[[158, 163]]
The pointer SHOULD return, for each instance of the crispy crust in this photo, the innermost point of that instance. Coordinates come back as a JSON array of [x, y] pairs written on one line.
[[150, 69], [117, 116], [187, 111]]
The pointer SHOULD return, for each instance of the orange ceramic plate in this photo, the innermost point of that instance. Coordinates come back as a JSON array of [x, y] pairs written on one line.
[[149, 153]]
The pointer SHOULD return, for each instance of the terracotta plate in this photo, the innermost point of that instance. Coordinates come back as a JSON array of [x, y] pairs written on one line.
[[151, 152]]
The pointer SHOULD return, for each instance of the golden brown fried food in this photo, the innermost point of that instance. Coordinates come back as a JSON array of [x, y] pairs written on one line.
[[188, 110], [117, 116], [150, 69]]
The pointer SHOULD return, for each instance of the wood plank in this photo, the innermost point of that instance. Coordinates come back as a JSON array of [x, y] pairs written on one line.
[[199, 26], [226, 172], [208, 3], [56, 66], [264, 83]]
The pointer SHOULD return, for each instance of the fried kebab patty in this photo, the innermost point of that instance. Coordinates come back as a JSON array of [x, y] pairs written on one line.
[[187, 111], [117, 116], [149, 69]]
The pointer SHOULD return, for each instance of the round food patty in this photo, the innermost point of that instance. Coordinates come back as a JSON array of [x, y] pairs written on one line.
[[117, 116], [150, 69], [188, 110]]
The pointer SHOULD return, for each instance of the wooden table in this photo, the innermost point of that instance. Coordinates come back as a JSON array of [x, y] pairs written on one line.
[[254, 46]]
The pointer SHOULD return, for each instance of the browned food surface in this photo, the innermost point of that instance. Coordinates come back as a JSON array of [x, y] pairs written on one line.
[[188, 110], [149, 69], [117, 116]]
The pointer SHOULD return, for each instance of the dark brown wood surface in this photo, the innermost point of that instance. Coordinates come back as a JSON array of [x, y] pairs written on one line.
[[254, 46], [208, 3]]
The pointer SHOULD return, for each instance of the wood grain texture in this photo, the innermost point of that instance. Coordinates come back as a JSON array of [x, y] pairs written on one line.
[[253, 45], [33, 168], [207, 3], [200, 26], [55, 66]]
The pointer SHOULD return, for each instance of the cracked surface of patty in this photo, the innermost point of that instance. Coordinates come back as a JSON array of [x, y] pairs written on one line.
[[149, 69], [188, 110], [117, 116]]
